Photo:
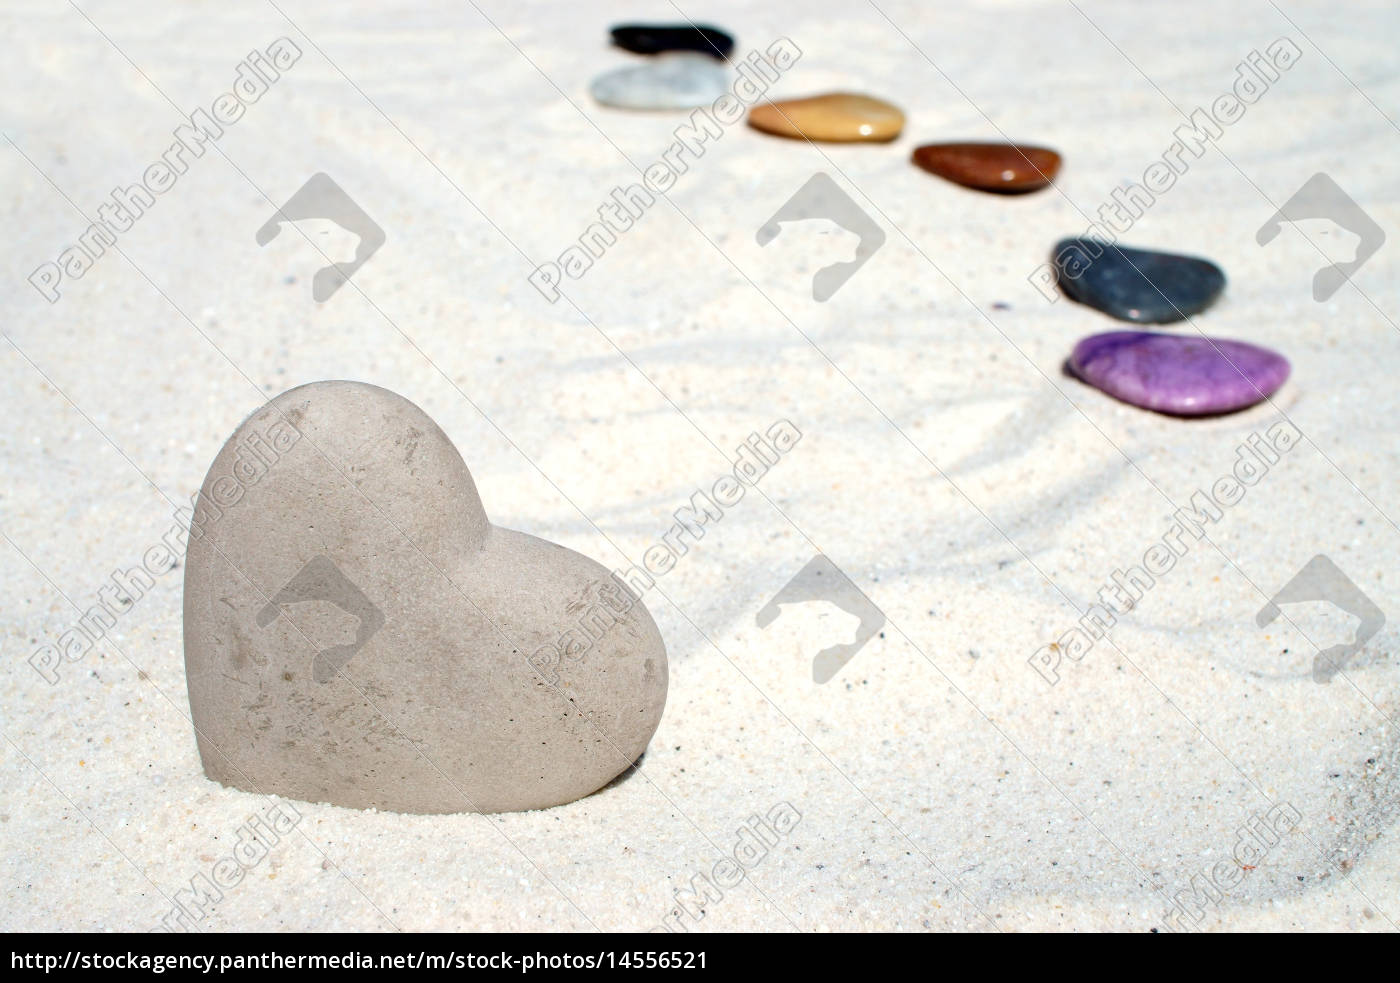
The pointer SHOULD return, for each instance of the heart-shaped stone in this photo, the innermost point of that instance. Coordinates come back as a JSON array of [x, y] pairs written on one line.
[[358, 632]]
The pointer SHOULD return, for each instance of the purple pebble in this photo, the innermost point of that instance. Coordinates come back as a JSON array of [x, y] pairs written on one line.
[[1182, 375]]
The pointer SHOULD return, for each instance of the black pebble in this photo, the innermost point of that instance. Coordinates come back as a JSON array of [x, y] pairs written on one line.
[[652, 39], [1136, 285]]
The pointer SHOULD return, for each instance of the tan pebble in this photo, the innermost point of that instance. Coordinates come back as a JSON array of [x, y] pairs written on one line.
[[837, 117]]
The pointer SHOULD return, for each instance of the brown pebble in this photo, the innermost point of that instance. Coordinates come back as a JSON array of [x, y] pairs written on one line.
[[837, 117], [1005, 167]]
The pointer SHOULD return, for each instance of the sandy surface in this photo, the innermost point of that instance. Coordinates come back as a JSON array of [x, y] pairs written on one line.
[[977, 496]]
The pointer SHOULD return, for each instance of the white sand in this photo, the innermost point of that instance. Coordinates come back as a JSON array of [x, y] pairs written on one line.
[[979, 498]]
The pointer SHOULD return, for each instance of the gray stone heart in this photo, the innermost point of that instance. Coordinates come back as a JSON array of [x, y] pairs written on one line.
[[358, 632]]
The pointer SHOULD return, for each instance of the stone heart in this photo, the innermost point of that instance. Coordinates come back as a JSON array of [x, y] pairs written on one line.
[[358, 632]]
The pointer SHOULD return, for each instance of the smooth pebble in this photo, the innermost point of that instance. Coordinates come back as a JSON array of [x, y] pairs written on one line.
[[1183, 375], [675, 81], [654, 39], [837, 117], [1008, 168], [1138, 285]]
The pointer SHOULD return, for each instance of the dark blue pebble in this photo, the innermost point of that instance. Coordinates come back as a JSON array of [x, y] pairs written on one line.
[[1136, 285], [652, 39]]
